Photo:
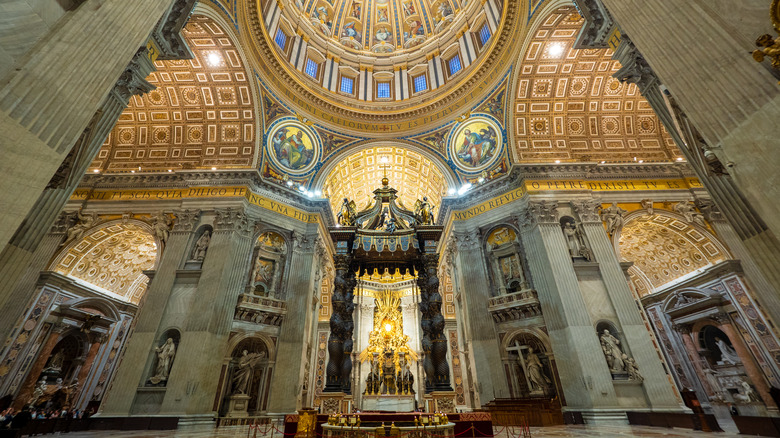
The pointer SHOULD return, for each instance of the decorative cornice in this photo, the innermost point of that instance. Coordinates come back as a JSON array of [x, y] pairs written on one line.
[[185, 179], [598, 25]]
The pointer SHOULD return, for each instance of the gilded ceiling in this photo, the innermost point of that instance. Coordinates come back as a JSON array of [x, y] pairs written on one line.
[[358, 175], [201, 115], [664, 249], [568, 106], [113, 259]]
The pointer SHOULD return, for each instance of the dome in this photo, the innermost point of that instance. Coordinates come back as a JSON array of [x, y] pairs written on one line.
[[381, 55], [382, 27]]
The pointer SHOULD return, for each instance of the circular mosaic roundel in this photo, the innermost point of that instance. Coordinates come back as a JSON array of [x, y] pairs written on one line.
[[293, 147], [476, 144]]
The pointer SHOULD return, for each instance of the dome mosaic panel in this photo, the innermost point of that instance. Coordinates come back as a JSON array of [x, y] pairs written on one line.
[[381, 27]]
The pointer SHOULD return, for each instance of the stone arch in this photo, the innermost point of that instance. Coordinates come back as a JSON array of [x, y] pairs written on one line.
[[101, 258], [532, 332], [414, 171], [94, 305], [529, 363], [258, 387], [664, 248]]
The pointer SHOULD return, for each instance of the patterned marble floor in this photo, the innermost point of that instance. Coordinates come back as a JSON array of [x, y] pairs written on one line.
[[559, 431]]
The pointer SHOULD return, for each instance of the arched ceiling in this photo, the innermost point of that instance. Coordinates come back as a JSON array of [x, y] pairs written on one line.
[[358, 175], [568, 106], [665, 249], [113, 259], [201, 115]]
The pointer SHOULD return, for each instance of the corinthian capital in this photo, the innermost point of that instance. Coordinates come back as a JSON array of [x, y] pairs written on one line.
[[230, 219], [542, 212], [133, 79], [466, 241], [185, 220], [588, 210], [635, 68], [303, 242]]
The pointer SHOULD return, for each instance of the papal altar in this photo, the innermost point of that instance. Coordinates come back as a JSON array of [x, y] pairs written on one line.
[[388, 403]]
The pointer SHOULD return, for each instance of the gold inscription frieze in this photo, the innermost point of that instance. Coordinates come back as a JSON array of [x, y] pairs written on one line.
[[539, 186], [195, 193]]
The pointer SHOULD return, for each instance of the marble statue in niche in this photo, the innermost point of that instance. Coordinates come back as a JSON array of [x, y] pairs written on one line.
[[612, 352], [632, 369], [198, 253], [535, 373], [245, 369], [165, 354], [270, 256], [575, 239], [505, 255]]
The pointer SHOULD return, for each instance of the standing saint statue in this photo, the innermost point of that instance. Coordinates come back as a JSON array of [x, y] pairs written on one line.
[[245, 370], [346, 216], [536, 377], [201, 246], [423, 212], [162, 225], [575, 241], [610, 346], [165, 355], [613, 216]]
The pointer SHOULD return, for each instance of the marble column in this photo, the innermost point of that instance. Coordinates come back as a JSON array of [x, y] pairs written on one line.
[[660, 392], [751, 368], [584, 374], [135, 363], [89, 360], [470, 276], [194, 377], [49, 98], [291, 349], [691, 353]]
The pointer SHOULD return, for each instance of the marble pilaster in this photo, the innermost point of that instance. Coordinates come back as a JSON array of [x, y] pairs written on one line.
[[48, 100], [17, 254], [135, 363], [660, 392], [291, 351], [471, 279], [194, 376], [583, 372]]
